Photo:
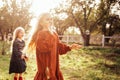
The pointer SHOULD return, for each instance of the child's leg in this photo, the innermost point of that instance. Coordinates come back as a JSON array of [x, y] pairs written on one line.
[[16, 76], [20, 76]]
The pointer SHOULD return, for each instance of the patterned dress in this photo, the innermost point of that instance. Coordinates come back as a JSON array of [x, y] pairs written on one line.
[[48, 49], [17, 65]]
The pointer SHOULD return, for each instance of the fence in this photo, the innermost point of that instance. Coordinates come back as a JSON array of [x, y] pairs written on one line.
[[71, 38], [94, 39], [114, 39]]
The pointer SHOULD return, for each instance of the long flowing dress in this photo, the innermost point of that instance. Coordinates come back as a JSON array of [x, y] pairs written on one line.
[[48, 49]]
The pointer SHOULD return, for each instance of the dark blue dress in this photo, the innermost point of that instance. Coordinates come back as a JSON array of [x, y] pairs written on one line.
[[17, 65]]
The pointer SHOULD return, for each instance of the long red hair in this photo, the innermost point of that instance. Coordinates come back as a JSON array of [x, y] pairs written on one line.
[[34, 37]]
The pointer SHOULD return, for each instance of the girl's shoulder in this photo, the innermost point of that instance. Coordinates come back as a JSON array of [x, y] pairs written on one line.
[[16, 41]]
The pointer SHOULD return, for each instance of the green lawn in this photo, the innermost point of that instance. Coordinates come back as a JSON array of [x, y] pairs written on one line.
[[83, 64]]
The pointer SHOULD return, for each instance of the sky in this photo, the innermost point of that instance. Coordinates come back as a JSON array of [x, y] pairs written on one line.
[[1, 3], [40, 6]]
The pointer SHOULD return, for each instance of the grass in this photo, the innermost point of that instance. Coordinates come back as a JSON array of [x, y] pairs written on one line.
[[83, 64]]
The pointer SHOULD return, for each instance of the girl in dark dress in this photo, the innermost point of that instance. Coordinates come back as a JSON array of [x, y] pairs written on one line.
[[17, 62]]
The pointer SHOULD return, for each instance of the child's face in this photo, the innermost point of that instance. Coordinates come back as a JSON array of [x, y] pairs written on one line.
[[47, 21], [21, 34]]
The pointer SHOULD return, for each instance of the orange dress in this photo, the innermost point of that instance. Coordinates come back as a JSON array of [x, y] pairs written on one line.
[[48, 48]]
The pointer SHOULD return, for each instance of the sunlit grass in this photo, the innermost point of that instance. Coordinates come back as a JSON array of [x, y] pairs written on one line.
[[82, 64]]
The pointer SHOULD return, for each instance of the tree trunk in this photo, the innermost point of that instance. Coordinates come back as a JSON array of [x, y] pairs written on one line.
[[60, 33], [107, 40], [1, 37], [2, 34], [3, 48], [86, 40], [3, 51]]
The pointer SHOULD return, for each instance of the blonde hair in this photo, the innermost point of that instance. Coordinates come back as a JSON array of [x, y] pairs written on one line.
[[34, 37], [15, 34]]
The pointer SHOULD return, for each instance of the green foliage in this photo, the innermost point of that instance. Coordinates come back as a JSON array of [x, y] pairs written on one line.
[[89, 63], [89, 15], [105, 10]]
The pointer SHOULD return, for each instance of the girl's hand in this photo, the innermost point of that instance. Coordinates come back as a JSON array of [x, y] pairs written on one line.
[[75, 46], [25, 58], [22, 56], [47, 72]]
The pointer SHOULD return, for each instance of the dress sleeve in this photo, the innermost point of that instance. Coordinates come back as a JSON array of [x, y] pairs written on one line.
[[17, 52], [63, 48], [43, 42]]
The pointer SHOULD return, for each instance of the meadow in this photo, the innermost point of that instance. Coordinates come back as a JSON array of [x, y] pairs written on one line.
[[84, 64]]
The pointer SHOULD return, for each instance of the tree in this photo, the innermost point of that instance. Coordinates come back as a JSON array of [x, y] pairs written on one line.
[[110, 22], [62, 25], [14, 13], [86, 14], [83, 14]]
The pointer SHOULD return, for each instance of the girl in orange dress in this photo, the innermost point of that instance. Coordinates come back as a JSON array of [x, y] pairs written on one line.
[[48, 48]]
